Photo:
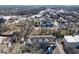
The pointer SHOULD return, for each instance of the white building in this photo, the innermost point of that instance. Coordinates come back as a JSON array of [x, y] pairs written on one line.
[[71, 41], [38, 16], [71, 44], [1, 39]]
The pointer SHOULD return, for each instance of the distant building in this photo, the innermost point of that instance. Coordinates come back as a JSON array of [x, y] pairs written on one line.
[[13, 18], [2, 20], [46, 23], [36, 16]]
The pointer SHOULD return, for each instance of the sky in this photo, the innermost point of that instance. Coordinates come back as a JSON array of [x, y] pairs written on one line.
[[39, 2]]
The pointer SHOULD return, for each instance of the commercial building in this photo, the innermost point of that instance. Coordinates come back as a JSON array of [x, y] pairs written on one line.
[[71, 44]]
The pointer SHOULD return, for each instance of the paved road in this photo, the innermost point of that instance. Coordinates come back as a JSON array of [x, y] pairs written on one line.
[[60, 47]]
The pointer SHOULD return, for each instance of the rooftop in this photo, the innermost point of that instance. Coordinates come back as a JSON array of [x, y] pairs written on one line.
[[71, 39]]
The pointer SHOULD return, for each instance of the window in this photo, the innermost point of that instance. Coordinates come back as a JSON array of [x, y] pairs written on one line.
[[77, 47]]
